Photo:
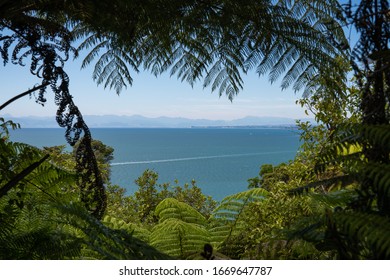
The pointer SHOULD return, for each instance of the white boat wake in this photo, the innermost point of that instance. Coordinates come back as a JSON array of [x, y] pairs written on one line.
[[196, 158]]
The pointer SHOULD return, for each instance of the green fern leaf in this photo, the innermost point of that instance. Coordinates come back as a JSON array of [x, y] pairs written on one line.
[[133, 229], [235, 203], [171, 208], [369, 230], [226, 217], [178, 238]]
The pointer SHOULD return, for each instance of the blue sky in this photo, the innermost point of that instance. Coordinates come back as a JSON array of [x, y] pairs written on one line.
[[152, 97]]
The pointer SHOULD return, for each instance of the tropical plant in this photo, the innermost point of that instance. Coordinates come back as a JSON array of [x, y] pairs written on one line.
[[181, 230], [101, 241], [28, 186], [140, 207], [227, 222], [217, 41], [42, 217], [270, 221], [65, 159], [184, 233], [32, 32], [348, 199], [355, 223]]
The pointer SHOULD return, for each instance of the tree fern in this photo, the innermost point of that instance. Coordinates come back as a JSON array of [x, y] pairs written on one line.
[[171, 208], [42, 218], [218, 42], [40, 37], [26, 215], [368, 233], [25, 210], [112, 68], [178, 238], [226, 218], [181, 230], [103, 242], [351, 219], [232, 206], [135, 230]]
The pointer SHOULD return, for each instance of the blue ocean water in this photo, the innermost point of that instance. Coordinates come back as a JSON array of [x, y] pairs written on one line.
[[220, 160]]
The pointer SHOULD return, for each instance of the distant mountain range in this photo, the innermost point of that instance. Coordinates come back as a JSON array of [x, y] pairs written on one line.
[[137, 121]]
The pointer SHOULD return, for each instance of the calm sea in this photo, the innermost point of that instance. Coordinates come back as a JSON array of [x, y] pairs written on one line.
[[220, 160]]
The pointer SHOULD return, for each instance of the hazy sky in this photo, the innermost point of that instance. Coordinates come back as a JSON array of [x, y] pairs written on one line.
[[152, 97]]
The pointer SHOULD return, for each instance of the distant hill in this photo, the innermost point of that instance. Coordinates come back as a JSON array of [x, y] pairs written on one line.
[[137, 121]]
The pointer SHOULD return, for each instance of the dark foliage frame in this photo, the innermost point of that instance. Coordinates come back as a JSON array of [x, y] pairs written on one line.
[[46, 45]]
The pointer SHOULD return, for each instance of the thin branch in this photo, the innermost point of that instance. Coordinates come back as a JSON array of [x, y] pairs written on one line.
[[42, 190], [20, 176], [5, 37], [22, 95]]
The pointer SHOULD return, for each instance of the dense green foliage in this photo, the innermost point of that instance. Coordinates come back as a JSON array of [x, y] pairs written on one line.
[[358, 227], [215, 41], [331, 202], [140, 207], [42, 216]]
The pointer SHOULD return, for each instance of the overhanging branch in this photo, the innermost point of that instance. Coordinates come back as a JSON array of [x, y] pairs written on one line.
[[22, 95], [20, 176]]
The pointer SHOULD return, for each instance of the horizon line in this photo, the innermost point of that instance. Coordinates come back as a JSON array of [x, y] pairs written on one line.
[[164, 116]]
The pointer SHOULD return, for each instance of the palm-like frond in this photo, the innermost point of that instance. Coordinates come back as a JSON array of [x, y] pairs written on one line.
[[133, 229], [102, 241], [38, 241], [335, 182], [178, 238], [171, 208], [353, 235], [355, 228], [181, 230], [232, 206], [226, 221], [301, 50], [42, 218], [369, 233], [25, 211], [114, 63], [218, 42]]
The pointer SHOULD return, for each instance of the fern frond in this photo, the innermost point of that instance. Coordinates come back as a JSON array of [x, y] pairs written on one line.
[[306, 51], [113, 62], [379, 175], [333, 199], [376, 135], [219, 43], [370, 231], [358, 228], [181, 230], [112, 67], [326, 184], [133, 229], [95, 51], [171, 208], [225, 218], [107, 243], [178, 238], [232, 206], [27, 230]]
